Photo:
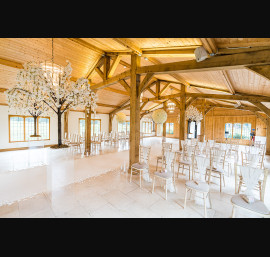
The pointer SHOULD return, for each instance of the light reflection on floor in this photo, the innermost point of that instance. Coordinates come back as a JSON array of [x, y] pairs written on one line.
[[107, 193]]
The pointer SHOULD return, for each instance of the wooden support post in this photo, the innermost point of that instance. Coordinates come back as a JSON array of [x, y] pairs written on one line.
[[203, 122], [267, 151], [182, 125], [134, 111], [164, 127], [157, 88], [106, 67], [110, 122], [87, 150], [66, 114]]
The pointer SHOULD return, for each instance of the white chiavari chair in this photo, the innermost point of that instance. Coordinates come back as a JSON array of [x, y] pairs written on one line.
[[251, 176], [165, 146], [185, 163], [217, 159], [166, 174], [143, 165], [200, 163]]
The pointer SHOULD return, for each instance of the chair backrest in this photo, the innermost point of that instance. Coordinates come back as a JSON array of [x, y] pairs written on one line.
[[250, 159], [168, 159], [251, 176], [166, 146], [144, 153], [211, 143], [217, 157], [202, 163]]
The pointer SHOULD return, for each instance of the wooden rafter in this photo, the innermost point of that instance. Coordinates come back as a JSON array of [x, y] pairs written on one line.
[[114, 65], [210, 45], [125, 85]]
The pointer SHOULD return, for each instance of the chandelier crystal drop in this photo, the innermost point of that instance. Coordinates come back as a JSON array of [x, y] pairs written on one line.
[[171, 107], [193, 114]]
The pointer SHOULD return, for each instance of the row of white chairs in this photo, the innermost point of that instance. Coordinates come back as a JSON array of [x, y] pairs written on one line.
[[202, 168]]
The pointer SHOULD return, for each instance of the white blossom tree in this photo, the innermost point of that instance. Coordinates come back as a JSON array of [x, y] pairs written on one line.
[[26, 96], [61, 94], [39, 90]]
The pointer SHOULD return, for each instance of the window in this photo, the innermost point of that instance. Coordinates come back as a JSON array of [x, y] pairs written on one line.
[[228, 128], [21, 127], [147, 127], [44, 128], [16, 129], [246, 130], [169, 128], [237, 130], [124, 127], [95, 126]]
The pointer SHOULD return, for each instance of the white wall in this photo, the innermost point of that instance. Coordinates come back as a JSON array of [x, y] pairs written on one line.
[[4, 130], [73, 121], [114, 123]]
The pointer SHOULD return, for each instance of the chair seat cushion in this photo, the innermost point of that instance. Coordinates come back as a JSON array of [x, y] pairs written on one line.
[[139, 166], [163, 174], [185, 162], [202, 186], [257, 206], [216, 170]]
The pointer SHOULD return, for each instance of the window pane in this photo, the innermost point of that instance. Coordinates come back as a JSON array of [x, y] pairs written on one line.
[[120, 127], [128, 126], [82, 127], [43, 127], [171, 128], [246, 130], [228, 127], [97, 127], [167, 128], [29, 127], [16, 129], [237, 130]]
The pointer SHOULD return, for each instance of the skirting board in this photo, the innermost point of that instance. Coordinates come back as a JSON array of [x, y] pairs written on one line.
[[20, 148]]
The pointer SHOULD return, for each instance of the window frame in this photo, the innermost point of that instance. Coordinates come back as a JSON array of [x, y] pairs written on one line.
[[170, 124], [23, 116], [93, 125], [149, 125], [241, 129], [126, 126]]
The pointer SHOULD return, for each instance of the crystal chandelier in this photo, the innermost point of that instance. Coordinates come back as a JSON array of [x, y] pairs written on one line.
[[193, 114], [171, 107]]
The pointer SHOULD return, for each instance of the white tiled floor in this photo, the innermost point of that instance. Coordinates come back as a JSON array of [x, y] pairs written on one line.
[[109, 193]]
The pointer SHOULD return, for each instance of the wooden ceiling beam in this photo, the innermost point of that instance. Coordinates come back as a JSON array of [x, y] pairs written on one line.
[[10, 63], [108, 105], [111, 81], [234, 61], [261, 70], [125, 85], [114, 65], [127, 43], [87, 45], [164, 88], [117, 91], [145, 81], [261, 106], [239, 97], [210, 45], [96, 64]]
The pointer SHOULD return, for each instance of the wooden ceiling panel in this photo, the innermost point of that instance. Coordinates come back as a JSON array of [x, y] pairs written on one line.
[[249, 82], [108, 97], [106, 44], [241, 42], [145, 43], [40, 49]]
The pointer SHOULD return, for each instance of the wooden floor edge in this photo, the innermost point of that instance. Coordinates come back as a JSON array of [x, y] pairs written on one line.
[[20, 148]]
